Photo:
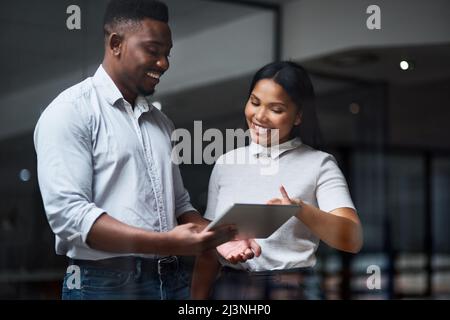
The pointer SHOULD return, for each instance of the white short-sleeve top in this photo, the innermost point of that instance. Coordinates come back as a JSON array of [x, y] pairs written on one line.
[[254, 174]]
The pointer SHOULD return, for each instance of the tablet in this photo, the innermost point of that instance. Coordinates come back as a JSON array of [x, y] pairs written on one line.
[[255, 220]]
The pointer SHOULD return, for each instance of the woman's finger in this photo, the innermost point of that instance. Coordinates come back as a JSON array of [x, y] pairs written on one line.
[[274, 201], [248, 254], [255, 247], [284, 193], [232, 259]]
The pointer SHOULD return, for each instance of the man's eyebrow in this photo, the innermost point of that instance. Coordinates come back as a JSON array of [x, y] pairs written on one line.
[[158, 43]]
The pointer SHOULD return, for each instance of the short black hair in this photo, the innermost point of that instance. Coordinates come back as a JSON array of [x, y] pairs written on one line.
[[133, 11]]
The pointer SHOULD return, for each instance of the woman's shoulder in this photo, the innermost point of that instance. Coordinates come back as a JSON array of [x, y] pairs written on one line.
[[312, 153]]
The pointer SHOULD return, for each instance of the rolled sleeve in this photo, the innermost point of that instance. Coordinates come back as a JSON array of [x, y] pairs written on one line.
[[65, 170], [182, 199]]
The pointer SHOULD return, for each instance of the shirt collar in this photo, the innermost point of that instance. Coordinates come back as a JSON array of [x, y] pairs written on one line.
[[143, 105], [274, 152], [106, 86]]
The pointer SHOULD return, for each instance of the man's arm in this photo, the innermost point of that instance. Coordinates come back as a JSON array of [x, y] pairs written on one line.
[[193, 217], [109, 234], [65, 171], [234, 251]]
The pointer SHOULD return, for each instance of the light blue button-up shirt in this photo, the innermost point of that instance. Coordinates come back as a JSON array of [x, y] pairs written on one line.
[[97, 154]]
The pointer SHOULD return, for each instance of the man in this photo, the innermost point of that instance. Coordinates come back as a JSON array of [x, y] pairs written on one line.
[[113, 198]]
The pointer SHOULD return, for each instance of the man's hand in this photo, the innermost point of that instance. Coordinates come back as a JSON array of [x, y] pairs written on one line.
[[189, 239], [234, 251], [239, 250]]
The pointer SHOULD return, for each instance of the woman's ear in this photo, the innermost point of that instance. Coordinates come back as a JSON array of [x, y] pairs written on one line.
[[298, 118]]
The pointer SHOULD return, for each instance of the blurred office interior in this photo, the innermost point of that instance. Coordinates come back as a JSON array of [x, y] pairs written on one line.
[[388, 127]]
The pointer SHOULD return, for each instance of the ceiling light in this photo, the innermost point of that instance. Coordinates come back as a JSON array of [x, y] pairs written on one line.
[[24, 175], [404, 65], [354, 108]]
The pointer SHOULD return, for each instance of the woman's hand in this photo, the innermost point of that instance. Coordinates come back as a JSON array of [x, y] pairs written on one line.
[[239, 250], [339, 228], [285, 199]]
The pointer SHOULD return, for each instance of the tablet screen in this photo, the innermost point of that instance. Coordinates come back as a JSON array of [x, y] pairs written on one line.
[[255, 220]]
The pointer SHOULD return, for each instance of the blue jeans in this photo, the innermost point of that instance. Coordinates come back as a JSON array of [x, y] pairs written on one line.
[[137, 281], [292, 284]]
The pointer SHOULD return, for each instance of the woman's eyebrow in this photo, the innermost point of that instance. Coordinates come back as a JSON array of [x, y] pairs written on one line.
[[278, 103], [270, 103]]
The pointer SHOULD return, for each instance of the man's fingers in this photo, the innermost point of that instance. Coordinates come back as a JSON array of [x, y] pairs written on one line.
[[220, 235], [221, 228]]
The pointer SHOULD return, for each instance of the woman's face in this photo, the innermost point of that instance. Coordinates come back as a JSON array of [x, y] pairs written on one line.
[[270, 107]]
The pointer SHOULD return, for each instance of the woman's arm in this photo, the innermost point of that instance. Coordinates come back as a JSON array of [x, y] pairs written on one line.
[[206, 269], [207, 264], [339, 228]]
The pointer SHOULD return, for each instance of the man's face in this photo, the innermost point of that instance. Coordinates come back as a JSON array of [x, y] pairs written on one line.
[[144, 56]]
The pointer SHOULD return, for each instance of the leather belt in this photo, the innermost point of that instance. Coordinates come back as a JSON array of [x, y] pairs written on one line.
[[161, 266]]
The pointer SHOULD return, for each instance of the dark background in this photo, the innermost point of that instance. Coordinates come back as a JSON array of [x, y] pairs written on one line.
[[387, 128]]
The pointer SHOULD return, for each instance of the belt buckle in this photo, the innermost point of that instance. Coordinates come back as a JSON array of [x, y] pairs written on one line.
[[166, 260]]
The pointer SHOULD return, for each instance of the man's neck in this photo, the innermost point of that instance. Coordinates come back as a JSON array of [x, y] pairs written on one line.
[[127, 94]]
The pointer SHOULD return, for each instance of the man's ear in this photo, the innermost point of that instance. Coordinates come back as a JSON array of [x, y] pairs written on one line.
[[115, 44]]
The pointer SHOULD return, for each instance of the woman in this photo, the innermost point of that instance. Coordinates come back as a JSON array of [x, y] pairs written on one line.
[[280, 101]]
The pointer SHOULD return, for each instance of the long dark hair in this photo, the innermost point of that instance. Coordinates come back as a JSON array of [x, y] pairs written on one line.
[[294, 79]]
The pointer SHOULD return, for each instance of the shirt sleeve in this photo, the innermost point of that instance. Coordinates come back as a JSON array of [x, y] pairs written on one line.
[[63, 146], [213, 193], [332, 190], [182, 199]]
